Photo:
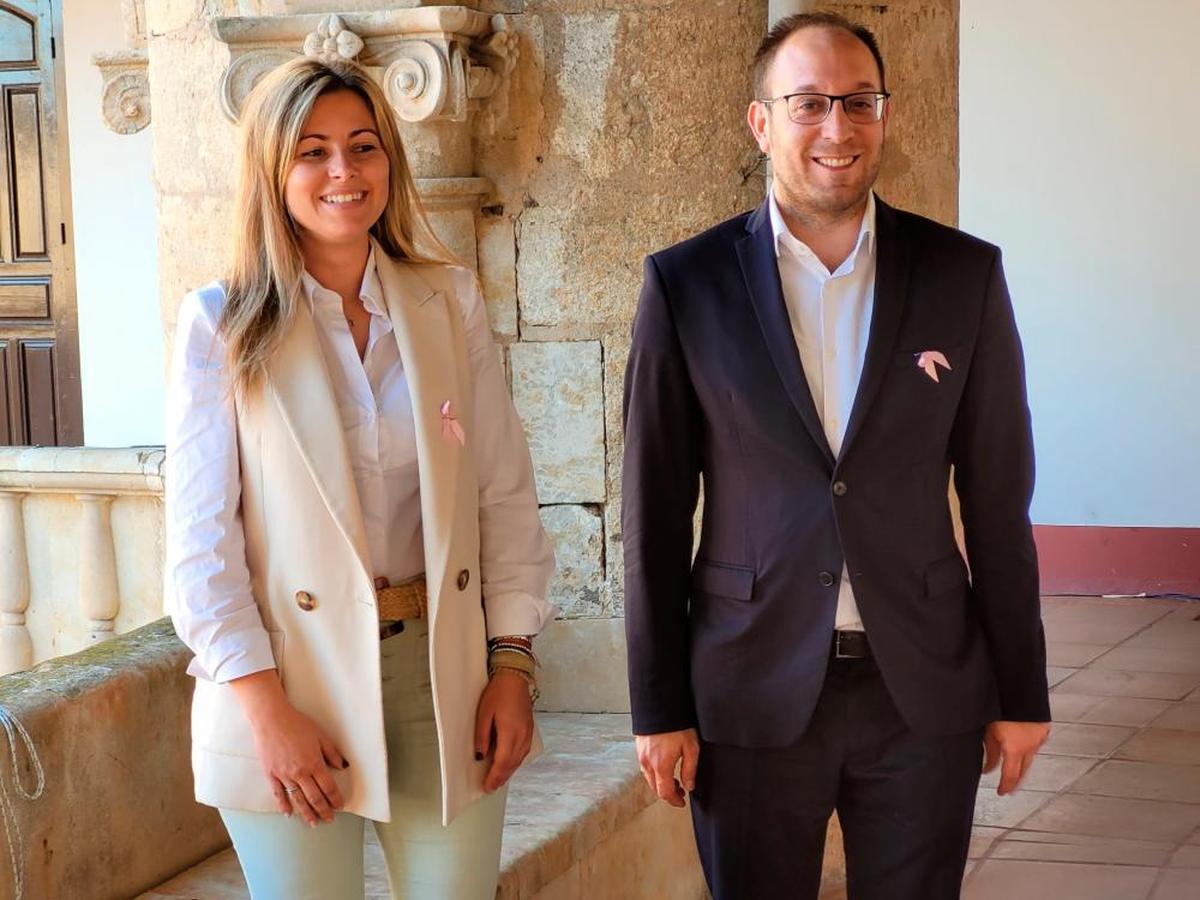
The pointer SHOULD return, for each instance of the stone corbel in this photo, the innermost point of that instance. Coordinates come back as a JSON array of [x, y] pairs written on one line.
[[433, 63], [125, 97]]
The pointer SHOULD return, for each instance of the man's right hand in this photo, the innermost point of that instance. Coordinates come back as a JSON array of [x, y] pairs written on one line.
[[660, 754]]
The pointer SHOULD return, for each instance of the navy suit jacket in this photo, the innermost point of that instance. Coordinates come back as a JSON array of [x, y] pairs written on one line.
[[736, 640]]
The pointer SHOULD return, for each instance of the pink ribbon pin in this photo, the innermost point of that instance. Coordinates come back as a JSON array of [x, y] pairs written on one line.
[[451, 430], [929, 360]]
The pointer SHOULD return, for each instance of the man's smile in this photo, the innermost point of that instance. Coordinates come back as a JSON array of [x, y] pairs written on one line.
[[835, 162]]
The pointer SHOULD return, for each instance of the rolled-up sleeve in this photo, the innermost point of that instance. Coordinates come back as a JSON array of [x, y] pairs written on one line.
[[516, 559], [207, 588]]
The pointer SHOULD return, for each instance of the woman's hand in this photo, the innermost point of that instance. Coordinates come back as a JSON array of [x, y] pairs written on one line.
[[296, 755], [503, 725]]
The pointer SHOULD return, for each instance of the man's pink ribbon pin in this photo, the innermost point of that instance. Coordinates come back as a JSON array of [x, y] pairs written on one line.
[[451, 430], [929, 360]]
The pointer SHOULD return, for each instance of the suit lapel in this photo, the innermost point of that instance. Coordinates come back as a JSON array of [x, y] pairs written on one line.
[[893, 263], [425, 337], [760, 268], [303, 392]]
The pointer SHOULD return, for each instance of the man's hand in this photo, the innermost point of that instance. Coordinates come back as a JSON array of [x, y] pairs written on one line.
[[1016, 743], [659, 754]]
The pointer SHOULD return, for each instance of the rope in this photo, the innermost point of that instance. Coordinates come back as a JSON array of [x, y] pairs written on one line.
[[12, 829]]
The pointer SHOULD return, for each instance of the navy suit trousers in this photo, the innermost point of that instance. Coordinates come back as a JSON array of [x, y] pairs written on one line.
[[905, 802]]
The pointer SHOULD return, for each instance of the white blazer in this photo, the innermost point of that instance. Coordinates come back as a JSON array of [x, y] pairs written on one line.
[[306, 551]]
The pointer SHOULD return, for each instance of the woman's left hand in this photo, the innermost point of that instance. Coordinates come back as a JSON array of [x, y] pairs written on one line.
[[503, 727]]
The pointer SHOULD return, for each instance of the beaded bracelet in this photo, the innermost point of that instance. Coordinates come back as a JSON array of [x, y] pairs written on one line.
[[514, 653]]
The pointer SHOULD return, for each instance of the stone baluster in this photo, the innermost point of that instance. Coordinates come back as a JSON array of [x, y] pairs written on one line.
[[16, 645], [99, 592]]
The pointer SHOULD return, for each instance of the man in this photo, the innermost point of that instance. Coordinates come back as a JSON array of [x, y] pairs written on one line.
[[821, 363]]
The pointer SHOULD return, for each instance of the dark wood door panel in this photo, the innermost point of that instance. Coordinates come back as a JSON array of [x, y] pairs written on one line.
[[38, 383], [38, 327], [8, 393], [28, 412], [25, 298]]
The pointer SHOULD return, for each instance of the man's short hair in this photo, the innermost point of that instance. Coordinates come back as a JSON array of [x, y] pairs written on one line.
[[786, 27]]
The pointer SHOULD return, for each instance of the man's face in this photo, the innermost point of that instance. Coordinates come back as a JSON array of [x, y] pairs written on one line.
[[825, 171]]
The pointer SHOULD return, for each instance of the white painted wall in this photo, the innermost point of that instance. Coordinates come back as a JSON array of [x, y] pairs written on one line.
[[1079, 143], [115, 238]]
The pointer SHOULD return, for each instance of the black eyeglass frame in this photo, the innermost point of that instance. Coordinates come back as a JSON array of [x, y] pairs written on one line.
[[881, 99]]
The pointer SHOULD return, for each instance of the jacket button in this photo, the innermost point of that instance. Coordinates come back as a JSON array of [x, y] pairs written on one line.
[[464, 578], [839, 489], [826, 579], [306, 601]]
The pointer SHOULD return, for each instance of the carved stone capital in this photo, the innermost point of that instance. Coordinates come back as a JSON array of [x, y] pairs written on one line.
[[432, 62], [125, 97]]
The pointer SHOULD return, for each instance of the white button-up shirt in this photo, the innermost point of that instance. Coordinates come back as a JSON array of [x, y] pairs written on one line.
[[830, 314], [208, 582]]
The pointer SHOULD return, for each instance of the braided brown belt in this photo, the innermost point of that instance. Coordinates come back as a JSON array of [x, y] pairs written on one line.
[[397, 602]]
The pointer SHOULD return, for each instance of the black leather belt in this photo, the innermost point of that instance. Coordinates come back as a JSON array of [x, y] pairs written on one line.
[[851, 645]]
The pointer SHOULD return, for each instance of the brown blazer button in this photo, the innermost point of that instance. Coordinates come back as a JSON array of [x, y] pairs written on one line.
[[306, 601], [464, 578], [827, 579], [839, 489]]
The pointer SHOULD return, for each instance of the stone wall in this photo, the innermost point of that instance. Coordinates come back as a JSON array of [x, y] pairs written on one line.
[[620, 131]]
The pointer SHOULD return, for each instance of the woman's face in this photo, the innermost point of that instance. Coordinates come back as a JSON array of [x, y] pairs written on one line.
[[338, 183]]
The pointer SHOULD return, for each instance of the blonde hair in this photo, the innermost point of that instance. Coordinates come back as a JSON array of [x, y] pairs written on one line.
[[263, 280]]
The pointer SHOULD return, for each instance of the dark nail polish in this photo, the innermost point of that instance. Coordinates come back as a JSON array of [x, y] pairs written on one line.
[[345, 764], [478, 756]]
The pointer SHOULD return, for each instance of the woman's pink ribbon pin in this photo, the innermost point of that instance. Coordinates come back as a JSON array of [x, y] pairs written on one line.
[[451, 430], [929, 360]]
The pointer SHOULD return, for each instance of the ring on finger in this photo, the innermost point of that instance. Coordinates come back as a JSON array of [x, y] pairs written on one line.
[[291, 790]]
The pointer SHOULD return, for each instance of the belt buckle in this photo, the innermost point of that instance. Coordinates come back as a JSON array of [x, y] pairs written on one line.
[[837, 647]]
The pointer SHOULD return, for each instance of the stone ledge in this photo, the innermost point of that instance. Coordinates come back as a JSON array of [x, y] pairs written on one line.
[[131, 470], [110, 726], [582, 793]]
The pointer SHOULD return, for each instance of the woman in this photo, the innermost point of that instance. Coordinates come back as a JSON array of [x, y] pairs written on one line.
[[353, 535]]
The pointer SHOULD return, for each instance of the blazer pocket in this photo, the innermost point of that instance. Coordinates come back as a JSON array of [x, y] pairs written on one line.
[[722, 580], [945, 576]]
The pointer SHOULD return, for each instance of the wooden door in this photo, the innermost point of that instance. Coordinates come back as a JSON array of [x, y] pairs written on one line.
[[40, 400]]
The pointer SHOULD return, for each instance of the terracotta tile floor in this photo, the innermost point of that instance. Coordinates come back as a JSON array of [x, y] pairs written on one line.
[[1110, 811]]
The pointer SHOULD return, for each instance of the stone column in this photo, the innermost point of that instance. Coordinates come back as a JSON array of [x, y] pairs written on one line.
[[16, 645], [99, 592]]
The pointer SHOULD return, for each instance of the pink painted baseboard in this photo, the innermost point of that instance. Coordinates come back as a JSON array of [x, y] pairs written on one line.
[[1081, 559]]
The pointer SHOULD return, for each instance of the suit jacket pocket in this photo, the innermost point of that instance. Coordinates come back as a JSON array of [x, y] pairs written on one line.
[[945, 576], [722, 580]]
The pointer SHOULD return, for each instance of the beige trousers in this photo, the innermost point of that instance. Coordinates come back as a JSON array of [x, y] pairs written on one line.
[[284, 859]]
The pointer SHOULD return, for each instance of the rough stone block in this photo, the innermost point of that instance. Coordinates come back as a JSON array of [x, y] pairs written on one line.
[[577, 533], [497, 251], [558, 391], [583, 666]]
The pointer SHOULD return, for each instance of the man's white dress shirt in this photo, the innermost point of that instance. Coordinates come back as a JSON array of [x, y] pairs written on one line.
[[209, 584], [830, 314]]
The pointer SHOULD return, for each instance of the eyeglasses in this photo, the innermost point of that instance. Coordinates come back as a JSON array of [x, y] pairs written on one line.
[[862, 108]]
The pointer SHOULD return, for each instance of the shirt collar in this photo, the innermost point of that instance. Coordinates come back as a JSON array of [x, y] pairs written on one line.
[[784, 239], [370, 292]]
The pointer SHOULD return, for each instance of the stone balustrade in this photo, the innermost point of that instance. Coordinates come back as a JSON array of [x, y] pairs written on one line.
[[80, 548]]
